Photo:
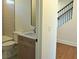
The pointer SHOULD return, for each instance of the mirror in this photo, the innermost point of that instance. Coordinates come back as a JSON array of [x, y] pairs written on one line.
[[33, 12]]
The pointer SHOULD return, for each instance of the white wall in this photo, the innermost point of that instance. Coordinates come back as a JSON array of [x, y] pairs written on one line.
[[49, 29], [62, 3], [22, 15], [67, 34]]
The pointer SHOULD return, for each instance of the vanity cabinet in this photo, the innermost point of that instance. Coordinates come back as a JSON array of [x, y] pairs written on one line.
[[26, 48]]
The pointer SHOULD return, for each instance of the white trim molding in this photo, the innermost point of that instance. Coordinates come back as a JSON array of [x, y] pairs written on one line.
[[67, 42]]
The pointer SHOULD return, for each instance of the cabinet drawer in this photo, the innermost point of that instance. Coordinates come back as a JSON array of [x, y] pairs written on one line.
[[26, 44], [25, 40]]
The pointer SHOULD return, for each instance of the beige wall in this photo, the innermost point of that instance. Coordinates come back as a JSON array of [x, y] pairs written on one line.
[[67, 34], [22, 15], [8, 18]]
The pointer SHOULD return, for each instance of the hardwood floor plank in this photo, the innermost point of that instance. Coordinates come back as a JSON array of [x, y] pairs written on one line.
[[66, 52]]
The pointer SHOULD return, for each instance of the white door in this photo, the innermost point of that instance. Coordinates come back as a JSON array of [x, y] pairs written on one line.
[[46, 29]]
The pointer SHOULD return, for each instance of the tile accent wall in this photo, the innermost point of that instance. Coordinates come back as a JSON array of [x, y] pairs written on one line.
[[8, 19]]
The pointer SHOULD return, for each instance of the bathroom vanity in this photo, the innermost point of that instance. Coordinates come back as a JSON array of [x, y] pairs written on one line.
[[26, 46], [25, 21]]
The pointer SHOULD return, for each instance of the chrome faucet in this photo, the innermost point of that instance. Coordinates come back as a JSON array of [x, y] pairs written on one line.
[[34, 30]]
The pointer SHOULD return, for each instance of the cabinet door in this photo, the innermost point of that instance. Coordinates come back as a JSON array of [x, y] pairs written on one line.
[[26, 52]]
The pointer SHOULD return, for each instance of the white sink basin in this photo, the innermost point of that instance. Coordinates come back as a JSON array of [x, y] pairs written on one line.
[[28, 34], [31, 34]]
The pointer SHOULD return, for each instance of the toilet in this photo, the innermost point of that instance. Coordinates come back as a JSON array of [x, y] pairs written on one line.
[[8, 48]]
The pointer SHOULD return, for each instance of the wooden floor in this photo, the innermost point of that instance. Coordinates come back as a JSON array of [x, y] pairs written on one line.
[[66, 52]]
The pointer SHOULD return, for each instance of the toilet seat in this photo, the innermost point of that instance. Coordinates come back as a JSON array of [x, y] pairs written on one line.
[[8, 43], [6, 38]]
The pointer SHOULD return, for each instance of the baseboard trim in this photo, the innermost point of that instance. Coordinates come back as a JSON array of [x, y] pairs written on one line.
[[67, 42]]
